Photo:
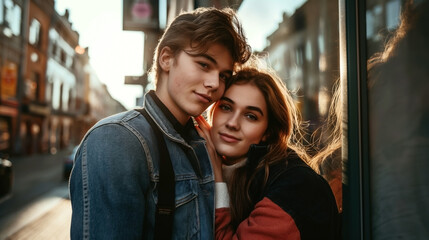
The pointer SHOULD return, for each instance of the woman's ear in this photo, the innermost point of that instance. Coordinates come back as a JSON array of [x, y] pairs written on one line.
[[166, 58]]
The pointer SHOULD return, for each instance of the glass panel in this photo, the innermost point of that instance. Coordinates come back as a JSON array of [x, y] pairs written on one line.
[[300, 39], [1, 11], [398, 85]]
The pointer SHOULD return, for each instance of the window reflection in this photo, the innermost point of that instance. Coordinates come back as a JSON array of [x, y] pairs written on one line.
[[398, 120], [304, 50]]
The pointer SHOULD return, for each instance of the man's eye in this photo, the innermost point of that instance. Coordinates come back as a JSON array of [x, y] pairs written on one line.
[[203, 65], [224, 77]]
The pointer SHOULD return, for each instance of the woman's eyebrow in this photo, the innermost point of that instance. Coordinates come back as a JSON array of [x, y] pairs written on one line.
[[226, 99], [253, 108]]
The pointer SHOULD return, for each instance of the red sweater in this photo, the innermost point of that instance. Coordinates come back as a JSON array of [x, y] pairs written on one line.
[[263, 223]]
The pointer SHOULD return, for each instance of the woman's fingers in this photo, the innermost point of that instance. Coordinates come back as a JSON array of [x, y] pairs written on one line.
[[202, 122], [204, 127]]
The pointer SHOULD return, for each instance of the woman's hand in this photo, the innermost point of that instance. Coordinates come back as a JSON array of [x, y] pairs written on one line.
[[203, 129]]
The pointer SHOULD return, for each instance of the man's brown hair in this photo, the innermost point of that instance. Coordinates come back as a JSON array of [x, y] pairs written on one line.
[[201, 28]]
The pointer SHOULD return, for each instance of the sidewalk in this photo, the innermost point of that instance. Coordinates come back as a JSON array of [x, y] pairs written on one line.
[[37, 191], [44, 218]]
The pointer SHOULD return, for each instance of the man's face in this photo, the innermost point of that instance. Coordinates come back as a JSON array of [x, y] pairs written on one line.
[[192, 82]]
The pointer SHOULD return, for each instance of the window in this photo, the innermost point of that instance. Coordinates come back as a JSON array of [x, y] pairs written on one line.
[[34, 34], [1, 12], [12, 17], [398, 113], [63, 57], [31, 86], [54, 50], [387, 132]]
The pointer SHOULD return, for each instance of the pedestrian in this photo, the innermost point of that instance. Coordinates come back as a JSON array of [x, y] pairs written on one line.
[[273, 193], [117, 183]]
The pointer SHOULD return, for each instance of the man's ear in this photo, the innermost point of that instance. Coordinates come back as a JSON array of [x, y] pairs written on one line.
[[166, 58], [265, 137]]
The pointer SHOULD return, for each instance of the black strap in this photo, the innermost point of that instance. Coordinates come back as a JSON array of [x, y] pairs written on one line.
[[166, 186]]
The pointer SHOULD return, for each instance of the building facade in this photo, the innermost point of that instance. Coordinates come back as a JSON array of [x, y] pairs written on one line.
[[305, 56], [47, 86], [12, 55]]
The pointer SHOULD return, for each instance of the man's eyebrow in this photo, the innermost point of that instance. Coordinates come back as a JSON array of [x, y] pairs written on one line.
[[253, 108], [208, 57], [204, 55]]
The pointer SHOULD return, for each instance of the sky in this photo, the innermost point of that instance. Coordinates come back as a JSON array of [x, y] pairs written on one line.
[[115, 53]]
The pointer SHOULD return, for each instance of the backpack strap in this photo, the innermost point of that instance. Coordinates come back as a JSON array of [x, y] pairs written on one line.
[[166, 186]]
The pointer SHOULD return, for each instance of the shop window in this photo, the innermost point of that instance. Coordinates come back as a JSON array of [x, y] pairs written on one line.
[[4, 134]]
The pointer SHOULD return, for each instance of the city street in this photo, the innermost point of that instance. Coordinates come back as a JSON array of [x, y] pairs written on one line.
[[39, 207]]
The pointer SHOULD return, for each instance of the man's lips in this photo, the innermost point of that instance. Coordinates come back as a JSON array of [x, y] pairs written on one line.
[[228, 138], [204, 97]]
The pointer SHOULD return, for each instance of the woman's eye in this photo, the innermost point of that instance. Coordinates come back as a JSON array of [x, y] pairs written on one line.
[[252, 117]]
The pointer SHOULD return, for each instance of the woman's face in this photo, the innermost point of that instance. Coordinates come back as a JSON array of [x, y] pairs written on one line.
[[239, 120]]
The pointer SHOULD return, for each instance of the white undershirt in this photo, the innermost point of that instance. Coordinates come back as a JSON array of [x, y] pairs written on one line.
[[221, 188]]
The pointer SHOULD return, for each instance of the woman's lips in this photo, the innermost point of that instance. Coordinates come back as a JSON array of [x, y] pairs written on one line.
[[228, 138]]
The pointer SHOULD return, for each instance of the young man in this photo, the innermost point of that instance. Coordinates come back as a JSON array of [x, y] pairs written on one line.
[[115, 180]]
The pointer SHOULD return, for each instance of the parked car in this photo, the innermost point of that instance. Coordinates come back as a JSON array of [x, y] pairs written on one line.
[[6, 177], [68, 163]]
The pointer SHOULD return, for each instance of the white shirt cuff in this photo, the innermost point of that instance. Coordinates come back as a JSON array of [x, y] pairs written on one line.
[[222, 196]]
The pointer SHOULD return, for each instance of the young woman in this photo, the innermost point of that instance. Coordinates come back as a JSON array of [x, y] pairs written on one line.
[[273, 193]]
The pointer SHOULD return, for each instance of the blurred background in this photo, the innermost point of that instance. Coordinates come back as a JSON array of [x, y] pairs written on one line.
[[65, 64]]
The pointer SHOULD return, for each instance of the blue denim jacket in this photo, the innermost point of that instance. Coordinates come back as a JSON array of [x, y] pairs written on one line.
[[113, 185]]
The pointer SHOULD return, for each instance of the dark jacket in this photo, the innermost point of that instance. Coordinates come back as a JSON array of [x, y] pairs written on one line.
[[296, 203]]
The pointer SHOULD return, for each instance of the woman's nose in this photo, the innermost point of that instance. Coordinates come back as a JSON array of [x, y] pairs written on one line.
[[233, 123]]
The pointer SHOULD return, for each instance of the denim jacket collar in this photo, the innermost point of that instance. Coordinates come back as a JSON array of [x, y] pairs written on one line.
[[165, 124]]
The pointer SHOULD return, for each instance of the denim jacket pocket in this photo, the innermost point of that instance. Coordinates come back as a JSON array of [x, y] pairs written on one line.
[[186, 212], [186, 191]]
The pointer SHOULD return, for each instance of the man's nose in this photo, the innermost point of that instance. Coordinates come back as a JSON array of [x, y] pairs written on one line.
[[212, 80]]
